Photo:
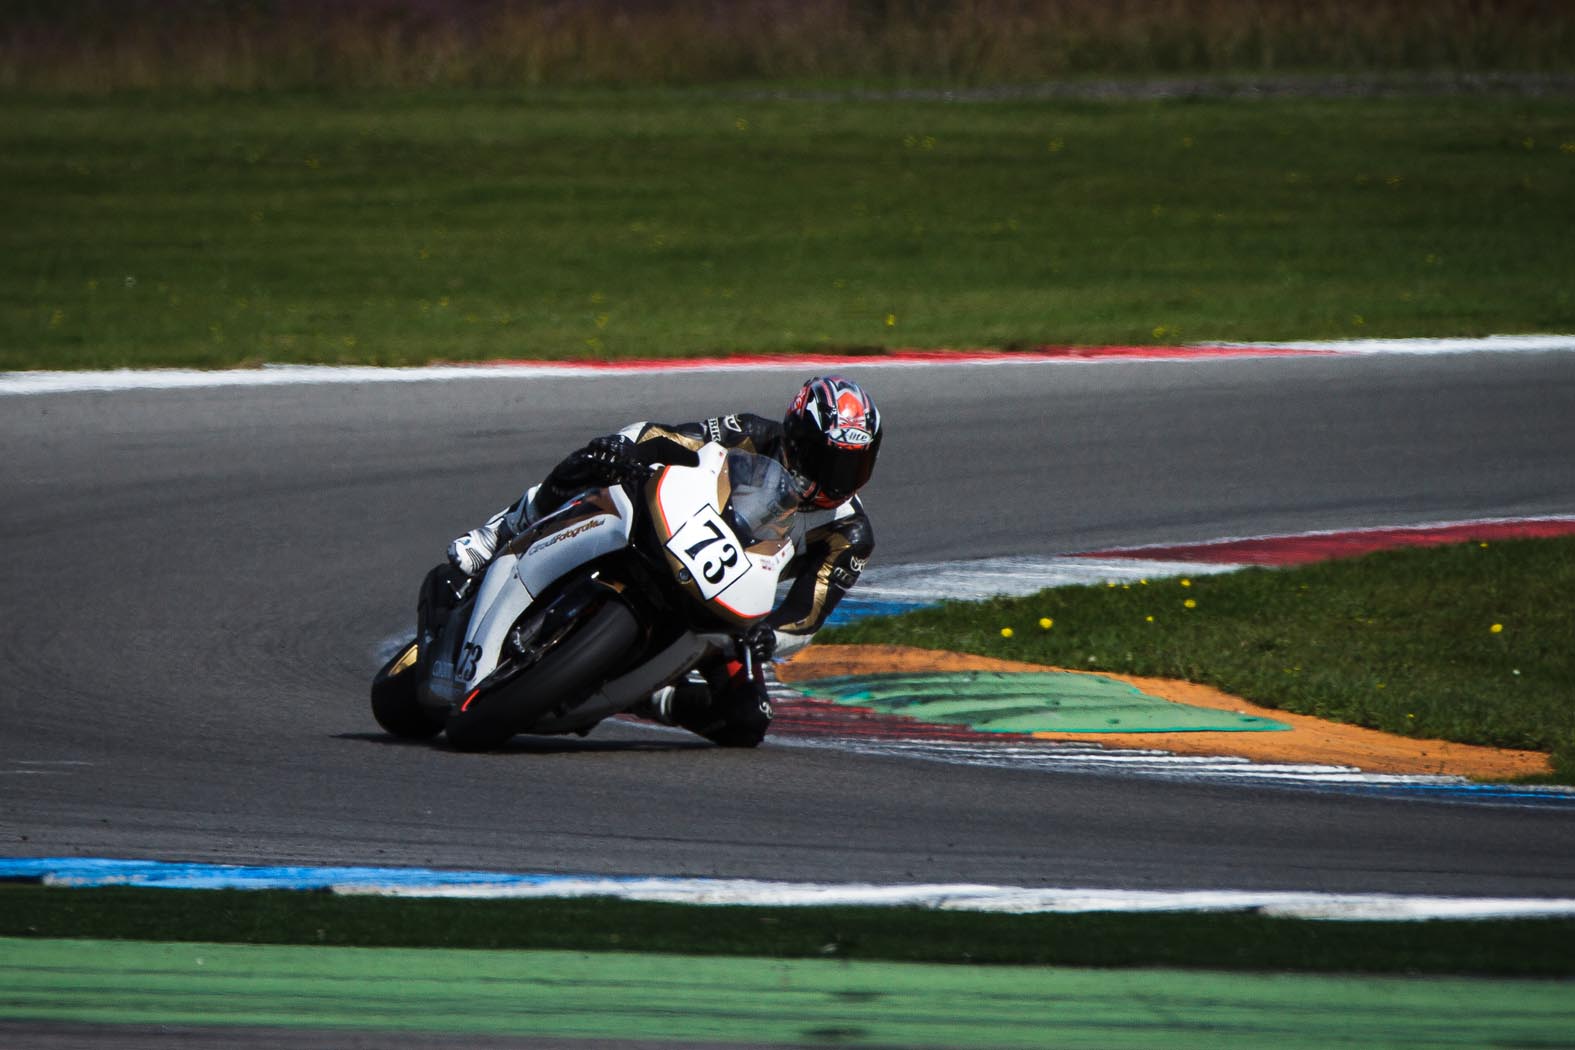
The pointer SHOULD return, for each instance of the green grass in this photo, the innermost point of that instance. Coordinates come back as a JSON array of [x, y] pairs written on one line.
[[401, 227], [1505, 948], [1472, 643]]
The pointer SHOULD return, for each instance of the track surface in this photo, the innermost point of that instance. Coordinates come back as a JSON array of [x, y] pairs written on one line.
[[196, 583]]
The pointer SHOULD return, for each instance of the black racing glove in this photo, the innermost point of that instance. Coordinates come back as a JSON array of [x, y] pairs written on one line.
[[760, 641], [609, 460]]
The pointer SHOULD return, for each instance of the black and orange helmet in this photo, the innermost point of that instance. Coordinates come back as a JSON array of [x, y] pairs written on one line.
[[831, 436]]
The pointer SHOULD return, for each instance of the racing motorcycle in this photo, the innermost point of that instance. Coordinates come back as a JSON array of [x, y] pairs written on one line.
[[622, 590]]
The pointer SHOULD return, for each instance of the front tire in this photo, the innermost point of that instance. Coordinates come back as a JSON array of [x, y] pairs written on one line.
[[567, 672], [394, 702]]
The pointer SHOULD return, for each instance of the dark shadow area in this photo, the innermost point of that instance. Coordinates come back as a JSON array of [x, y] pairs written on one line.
[[525, 744]]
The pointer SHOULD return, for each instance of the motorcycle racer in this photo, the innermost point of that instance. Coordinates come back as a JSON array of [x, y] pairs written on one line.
[[828, 441]]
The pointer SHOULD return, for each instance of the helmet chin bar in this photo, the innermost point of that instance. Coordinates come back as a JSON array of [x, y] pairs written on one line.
[[813, 496], [806, 488]]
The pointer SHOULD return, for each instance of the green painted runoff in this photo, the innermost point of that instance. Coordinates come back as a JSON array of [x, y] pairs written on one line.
[[1029, 702], [690, 1000]]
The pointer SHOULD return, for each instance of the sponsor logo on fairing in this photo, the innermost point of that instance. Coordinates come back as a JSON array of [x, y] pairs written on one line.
[[567, 534]]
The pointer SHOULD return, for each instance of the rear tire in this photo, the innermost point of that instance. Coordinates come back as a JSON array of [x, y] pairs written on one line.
[[567, 672], [394, 702]]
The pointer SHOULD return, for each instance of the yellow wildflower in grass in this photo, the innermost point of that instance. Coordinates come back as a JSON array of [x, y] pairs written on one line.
[[1006, 632], [1190, 603], [1148, 619], [891, 320], [1186, 582], [1046, 623], [1497, 628]]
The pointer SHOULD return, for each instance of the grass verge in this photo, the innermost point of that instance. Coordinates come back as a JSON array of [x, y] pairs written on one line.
[[1471, 642], [400, 227], [1502, 948]]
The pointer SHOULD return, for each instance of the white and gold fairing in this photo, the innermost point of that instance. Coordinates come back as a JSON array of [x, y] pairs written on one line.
[[739, 584], [585, 530]]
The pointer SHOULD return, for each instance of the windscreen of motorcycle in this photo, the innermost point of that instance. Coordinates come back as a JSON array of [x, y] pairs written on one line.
[[727, 526]]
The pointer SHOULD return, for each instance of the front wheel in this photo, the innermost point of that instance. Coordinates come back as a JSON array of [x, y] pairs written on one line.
[[394, 702], [566, 672]]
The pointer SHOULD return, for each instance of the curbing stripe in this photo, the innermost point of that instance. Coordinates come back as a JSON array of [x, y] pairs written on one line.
[[1306, 547], [47, 382], [1020, 900]]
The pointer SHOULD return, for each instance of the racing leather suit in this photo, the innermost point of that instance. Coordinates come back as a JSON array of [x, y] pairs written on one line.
[[726, 707]]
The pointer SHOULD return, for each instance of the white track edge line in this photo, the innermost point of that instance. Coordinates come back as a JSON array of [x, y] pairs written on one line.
[[118, 380], [985, 898]]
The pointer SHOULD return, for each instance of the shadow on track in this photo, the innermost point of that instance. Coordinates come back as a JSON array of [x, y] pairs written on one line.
[[539, 745]]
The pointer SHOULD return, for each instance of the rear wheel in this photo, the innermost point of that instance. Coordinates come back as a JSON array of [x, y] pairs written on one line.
[[394, 702], [567, 672]]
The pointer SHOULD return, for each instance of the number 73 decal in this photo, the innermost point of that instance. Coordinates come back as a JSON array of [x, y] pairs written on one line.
[[708, 548]]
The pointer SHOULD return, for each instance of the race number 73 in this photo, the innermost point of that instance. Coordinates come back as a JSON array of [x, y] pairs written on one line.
[[707, 547]]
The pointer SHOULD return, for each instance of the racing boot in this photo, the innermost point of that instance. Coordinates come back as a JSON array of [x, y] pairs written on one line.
[[675, 705], [730, 708]]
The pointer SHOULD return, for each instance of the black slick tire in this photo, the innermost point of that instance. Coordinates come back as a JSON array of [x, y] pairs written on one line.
[[569, 671], [394, 702]]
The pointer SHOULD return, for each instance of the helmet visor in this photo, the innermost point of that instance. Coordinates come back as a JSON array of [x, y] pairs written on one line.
[[839, 471]]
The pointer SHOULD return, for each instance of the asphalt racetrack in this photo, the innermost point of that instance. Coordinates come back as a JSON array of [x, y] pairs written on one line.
[[197, 583]]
